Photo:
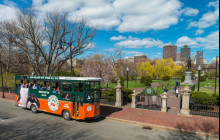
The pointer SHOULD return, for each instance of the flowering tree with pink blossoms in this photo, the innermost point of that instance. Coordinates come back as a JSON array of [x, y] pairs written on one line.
[[98, 66]]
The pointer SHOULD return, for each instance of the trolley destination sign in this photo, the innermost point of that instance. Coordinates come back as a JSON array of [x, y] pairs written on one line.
[[58, 78]]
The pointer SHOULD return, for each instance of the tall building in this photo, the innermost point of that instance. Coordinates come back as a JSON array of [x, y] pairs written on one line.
[[204, 61], [194, 59], [185, 53], [140, 58], [130, 59], [199, 57], [170, 51], [177, 56]]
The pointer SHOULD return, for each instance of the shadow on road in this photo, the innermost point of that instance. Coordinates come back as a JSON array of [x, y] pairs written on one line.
[[108, 110]]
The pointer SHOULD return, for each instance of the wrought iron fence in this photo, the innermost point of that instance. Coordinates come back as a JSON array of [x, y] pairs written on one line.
[[151, 102], [193, 87], [210, 110], [108, 98], [149, 99]]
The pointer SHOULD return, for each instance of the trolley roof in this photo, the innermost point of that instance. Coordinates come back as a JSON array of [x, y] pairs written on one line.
[[57, 78]]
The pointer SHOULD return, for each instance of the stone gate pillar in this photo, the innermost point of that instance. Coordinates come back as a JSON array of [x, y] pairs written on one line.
[[185, 101], [134, 100], [119, 96], [164, 103]]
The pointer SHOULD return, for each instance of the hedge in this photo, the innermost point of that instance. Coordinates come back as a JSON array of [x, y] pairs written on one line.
[[109, 94], [183, 78], [166, 78], [203, 98]]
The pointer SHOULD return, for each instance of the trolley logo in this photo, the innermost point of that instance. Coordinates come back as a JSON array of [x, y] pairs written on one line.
[[53, 103], [89, 108], [66, 106]]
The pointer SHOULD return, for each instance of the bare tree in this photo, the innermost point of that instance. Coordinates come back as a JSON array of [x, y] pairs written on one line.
[[41, 40], [98, 66], [115, 59]]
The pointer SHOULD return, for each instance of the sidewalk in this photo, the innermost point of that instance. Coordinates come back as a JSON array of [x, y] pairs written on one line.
[[194, 123]]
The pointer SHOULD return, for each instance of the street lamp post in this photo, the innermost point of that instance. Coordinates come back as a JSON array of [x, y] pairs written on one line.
[[136, 76], [127, 69], [199, 69], [216, 72], [70, 45], [3, 96]]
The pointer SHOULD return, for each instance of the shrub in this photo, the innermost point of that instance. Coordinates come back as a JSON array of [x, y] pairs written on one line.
[[122, 81], [129, 92], [132, 78], [183, 78], [143, 79], [166, 78], [202, 78], [148, 81], [203, 98]]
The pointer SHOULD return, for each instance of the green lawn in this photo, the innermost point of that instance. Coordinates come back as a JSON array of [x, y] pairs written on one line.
[[131, 84]]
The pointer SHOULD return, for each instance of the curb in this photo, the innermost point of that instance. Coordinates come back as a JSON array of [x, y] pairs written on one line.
[[199, 133]]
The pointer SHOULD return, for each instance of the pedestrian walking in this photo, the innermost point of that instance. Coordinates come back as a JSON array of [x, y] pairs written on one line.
[[177, 92], [176, 83], [175, 89], [172, 90], [166, 90]]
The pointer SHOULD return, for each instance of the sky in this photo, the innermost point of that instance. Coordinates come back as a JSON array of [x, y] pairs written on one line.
[[137, 26]]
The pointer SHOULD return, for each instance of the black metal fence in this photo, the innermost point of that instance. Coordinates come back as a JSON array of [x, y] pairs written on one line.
[[149, 102], [108, 98], [210, 110]]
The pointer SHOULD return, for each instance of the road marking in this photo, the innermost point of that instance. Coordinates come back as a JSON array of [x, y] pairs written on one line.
[[2, 120]]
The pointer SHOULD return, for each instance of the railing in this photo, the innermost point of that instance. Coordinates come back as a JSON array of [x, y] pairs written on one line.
[[149, 102], [210, 110], [108, 99], [8, 89]]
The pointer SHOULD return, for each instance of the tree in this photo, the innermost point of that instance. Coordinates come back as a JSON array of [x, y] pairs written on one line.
[[41, 40], [146, 69], [165, 67], [98, 66]]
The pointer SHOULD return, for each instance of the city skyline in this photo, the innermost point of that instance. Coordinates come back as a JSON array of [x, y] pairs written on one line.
[[131, 26]]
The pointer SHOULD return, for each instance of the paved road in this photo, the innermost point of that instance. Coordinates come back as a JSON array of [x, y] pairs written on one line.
[[17, 123]]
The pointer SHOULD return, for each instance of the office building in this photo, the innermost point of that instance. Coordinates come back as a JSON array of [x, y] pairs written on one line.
[[170, 51], [140, 58], [199, 57], [177, 56], [185, 53], [129, 59]]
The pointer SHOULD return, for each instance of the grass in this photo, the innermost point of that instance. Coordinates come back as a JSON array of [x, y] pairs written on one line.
[[208, 91], [8, 80], [131, 84]]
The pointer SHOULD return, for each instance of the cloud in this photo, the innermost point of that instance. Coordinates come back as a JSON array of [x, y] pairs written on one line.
[[131, 52], [144, 15], [210, 42], [209, 18], [199, 32], [118, 14], [10, 11], [139, 43], [190, 11], [117, 38], [186, 41]]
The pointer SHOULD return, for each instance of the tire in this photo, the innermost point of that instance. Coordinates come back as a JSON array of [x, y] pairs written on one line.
[[66, 115], [33, 109]]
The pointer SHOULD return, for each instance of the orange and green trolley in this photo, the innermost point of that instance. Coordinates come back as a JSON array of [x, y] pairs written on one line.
[[72, 97]]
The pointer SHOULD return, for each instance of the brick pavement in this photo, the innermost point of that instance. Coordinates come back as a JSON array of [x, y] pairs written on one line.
[[194, 123]]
